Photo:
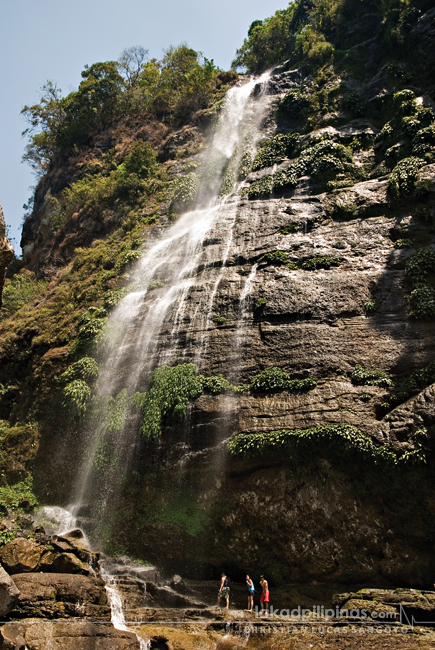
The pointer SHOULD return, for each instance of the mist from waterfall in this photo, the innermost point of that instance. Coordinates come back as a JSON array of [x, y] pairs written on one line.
[[149, 315]]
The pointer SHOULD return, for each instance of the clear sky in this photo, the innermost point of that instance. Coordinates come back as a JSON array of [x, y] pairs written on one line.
[[54, 39]]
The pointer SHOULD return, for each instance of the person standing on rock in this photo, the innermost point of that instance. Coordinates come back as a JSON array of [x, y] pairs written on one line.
[[264, 599], [251, 591], [224, 591]]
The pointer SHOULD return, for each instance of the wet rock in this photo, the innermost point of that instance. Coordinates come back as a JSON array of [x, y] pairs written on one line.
[[21, 555], [167, 597], [78, 545], [69, 563], [368, 199], [8, 593], [65, 635], [58, 595]]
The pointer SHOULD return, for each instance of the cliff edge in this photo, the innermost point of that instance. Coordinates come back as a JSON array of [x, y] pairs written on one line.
[[6, 252]]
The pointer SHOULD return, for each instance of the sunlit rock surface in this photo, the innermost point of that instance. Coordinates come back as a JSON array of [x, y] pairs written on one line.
[[6, 252]]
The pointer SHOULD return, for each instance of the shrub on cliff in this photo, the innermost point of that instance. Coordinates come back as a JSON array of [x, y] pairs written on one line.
[[419, 268], [295, 104], [402, 180], [340, 440], [276, 379], [363, 377], [19, 290], [297, 443]]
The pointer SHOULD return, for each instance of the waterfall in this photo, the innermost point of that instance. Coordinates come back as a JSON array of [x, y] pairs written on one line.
[[144, 329], [117, 610]]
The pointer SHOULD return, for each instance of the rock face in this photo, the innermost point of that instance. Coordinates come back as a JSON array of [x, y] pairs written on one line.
[[400, 604], [62, 555], [8, 593], [40, 635], [58, 595], [6, 252], [320, 517]]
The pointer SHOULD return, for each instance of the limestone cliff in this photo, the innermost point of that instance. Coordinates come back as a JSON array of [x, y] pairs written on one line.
[[6, 252]]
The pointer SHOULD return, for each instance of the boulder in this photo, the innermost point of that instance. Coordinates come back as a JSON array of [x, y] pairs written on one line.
[[21, 555], [76, 543], [69, 563], [12, 637], [60, 595], [8, 593], [65, 635]]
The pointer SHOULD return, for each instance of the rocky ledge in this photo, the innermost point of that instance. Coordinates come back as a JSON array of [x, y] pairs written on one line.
[[6, 252]]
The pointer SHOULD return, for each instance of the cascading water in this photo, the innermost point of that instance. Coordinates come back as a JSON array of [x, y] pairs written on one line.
[[116, 608], [148, 315], [133, 349]]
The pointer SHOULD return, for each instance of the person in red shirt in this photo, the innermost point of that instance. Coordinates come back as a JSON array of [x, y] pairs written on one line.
[[264, 599]]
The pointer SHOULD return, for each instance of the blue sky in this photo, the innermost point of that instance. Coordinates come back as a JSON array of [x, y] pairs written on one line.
[[54, 39]]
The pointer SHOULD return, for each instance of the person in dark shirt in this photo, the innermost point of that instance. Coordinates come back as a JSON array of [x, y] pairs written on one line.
[[224, 591]]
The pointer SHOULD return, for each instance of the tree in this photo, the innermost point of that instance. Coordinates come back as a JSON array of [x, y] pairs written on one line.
[[131, 62]]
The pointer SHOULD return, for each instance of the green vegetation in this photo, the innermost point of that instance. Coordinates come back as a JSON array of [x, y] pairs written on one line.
[[295, 105], [185, 189], [275, 379], [402, 180], [289, 229], [76, 396], [404, 243], [424, 142], [19, 290], [338, 437], [155, 284], [370, 306], [318, 33], [18, 496], [363, 377], [171, 388], [261, 302], [221, 320], [91, 325], [218, 384], [18, 446], [365, 397], [170, 391], [419, 268], [181, 513], [323, 159], [354, 104], [259, 189], [417, 380], [342, 439], [320, 262], [6, 536], [275, 150], [86, 368], [281, 258], [169, 90], [274, 258]]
